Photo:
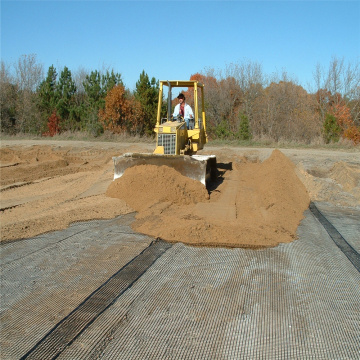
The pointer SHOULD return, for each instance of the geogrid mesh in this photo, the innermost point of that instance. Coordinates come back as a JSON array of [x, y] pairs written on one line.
[[295, 301]]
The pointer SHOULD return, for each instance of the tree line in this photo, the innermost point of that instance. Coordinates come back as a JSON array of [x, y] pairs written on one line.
[[241, 102]]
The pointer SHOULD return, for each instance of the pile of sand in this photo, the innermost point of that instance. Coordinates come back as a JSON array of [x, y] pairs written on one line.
[[338, 184], [347, 175], [144, 186], [257, 204]]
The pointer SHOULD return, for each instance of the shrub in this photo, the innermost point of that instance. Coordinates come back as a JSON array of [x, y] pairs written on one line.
[[332, 129]]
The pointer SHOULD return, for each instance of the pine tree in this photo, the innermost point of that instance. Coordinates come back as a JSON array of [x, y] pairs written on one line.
[[332, 129], [244, 132], [147, 93], [47, 95], [109, 80], [47, 92], [92, 87], [66, 108]]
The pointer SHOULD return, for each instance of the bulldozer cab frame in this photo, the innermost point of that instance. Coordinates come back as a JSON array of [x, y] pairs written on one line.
[[181, 84], [188, 141]]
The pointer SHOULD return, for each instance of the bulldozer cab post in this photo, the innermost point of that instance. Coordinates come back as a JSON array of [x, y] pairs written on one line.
[[172, 135]]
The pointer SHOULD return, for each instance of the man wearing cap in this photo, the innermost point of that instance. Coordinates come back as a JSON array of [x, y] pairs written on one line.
[[185, 111]]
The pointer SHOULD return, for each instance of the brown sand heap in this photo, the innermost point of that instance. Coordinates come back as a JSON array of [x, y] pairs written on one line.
[[144, 186], [257, 204], [347, 175]]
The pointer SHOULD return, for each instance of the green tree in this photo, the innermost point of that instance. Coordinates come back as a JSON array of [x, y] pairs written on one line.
[[66, 108], [331, 129], [92, 87], [146, 94], [222, 131], [96, 86], [94, 101], [244, 132], [47, 94], [109, 80]]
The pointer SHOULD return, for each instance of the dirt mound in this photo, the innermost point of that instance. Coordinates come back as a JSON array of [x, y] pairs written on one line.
[[145, 185], [346, 175], [338, 183], [257, 204]]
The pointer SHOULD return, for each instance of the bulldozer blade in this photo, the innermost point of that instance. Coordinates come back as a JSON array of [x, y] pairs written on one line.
[[198, 167]]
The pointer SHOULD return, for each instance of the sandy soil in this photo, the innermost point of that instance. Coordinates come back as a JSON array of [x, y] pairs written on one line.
[[46, 185]]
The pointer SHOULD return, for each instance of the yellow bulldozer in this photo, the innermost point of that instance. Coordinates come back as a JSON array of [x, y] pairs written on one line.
[[176, 145]]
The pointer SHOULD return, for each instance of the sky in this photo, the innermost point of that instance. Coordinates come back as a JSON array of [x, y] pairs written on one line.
[[172, 40]]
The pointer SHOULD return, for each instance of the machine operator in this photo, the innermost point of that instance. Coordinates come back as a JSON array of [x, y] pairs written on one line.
[[185, 111]]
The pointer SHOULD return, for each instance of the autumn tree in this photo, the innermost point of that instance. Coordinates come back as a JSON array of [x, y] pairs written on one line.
[[230, 98], [230, 94], [251, 81], [53, 125], [286, 112], [345, 122], [216, 105], [189, 93], [340, 82], [122, 113]]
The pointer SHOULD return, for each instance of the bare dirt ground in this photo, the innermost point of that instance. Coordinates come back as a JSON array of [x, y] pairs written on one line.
[[46, 185]]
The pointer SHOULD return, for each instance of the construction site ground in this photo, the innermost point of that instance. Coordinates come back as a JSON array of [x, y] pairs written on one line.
[[85, 276]]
